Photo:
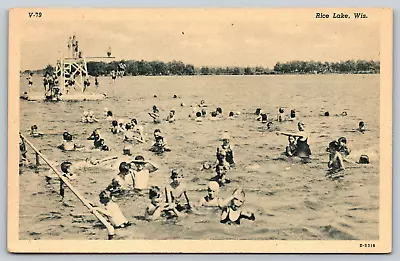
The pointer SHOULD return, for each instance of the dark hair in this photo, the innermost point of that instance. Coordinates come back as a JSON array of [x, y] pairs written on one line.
[[114, 123], [154, 191], [361, 123], [139, 157], [364, 159], [198, 114], [214, 114], [65, 135], [342, 139], [68, 137], [333, 145], [96, 136], [134, 121], [65, 166], [281, 110], [155, 96], [175, 96], [326, 113], [34, 127], [231, 114], [264, 117], [128, 126], [109, 113], [204, 112], [219, 110], [124, 167], [157, 130], [258, 110], [292, 114]]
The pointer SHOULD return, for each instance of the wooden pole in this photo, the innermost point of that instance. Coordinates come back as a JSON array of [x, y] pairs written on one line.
[[85, 202]]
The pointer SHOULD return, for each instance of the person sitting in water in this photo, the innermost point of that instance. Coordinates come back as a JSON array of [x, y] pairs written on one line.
[[335, 163], [66, 167], [202, 104], [141, 172], [95, 135], [361, 127], [34, 132], [123, 181], [155, 210], [302, 147], [171, 116], [91, 118], [176, 194], [221, 169], [99, 144], [211, 199], [138, 130], [198, 117], [342, 147], [155, 114], [160, 146], [227, 149], [85, 118], [68, 144], [233, 212], [116, 129], [263, 118], [291, 147], [281, 116], [112, 211]]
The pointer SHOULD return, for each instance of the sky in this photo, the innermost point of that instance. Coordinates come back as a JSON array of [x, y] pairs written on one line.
[[202, 37]]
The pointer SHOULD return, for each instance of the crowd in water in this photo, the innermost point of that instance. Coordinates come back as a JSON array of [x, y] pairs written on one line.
[[172, 201]]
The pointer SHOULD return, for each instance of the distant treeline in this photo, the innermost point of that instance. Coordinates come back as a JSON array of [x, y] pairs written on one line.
[[158, 68]]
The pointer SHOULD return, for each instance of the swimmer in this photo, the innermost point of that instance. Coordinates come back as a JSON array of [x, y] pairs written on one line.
[[335, 163], [176, 194], [198, 117], [123, 181], [342, 147], [171, 116], [141, 172], [91, 118], [138, 130], [155, 114], [155, 209], [68, 144], [291, 147], [160, 146], [292, 114], [202, 104], [302, 144], [95, 135], [211, 199], [233, 212], [116, 129], [112, 211], [281, 116], [227, 149], [34, 132], [361, 127], [99, 144], [221, 169], [219, 111]]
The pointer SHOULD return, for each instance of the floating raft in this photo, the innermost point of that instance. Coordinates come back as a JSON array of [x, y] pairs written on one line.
[[74, 97]]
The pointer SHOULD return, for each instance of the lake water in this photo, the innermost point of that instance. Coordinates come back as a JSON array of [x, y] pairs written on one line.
[[291, 201]]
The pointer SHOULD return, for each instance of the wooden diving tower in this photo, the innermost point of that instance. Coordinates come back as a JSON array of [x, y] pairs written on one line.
[[75, 68]]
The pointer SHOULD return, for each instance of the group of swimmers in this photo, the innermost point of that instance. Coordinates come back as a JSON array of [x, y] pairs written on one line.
[[173, 200]]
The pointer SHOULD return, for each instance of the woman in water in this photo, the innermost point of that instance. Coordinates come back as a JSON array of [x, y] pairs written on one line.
[[302, 146], [233, 212]]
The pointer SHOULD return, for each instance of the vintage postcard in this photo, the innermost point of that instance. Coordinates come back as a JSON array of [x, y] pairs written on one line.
[[209, 130]]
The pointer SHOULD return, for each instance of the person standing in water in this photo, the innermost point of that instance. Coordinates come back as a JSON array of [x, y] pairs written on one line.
[[302, 146]]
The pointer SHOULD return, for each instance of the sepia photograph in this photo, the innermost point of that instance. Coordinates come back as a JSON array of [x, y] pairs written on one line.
[[212, 130]]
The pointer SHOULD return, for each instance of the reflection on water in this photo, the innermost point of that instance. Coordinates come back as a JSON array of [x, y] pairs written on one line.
[[291, 200]]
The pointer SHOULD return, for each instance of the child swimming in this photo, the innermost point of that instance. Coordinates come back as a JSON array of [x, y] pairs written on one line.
[[112, 211], [226, 147], [233, 212], [211, 199], [68, 144], [176, 192], [302, 147], [291, 147]]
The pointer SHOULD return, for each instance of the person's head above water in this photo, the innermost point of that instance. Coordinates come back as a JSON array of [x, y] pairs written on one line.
[[238, 198], [114, 123], [127, 150], [281, 110], [214, 114], [198, 114], [105, 197], [124, 167], [301, 126], [292, 114], [65, 166], [34, 127], [291, 139], [219, 110], [109, 113], [213, 189], [326, 113], [342, 140], [231, 114], [258, 111], [154, 194], [134, 121], [176, 176]]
